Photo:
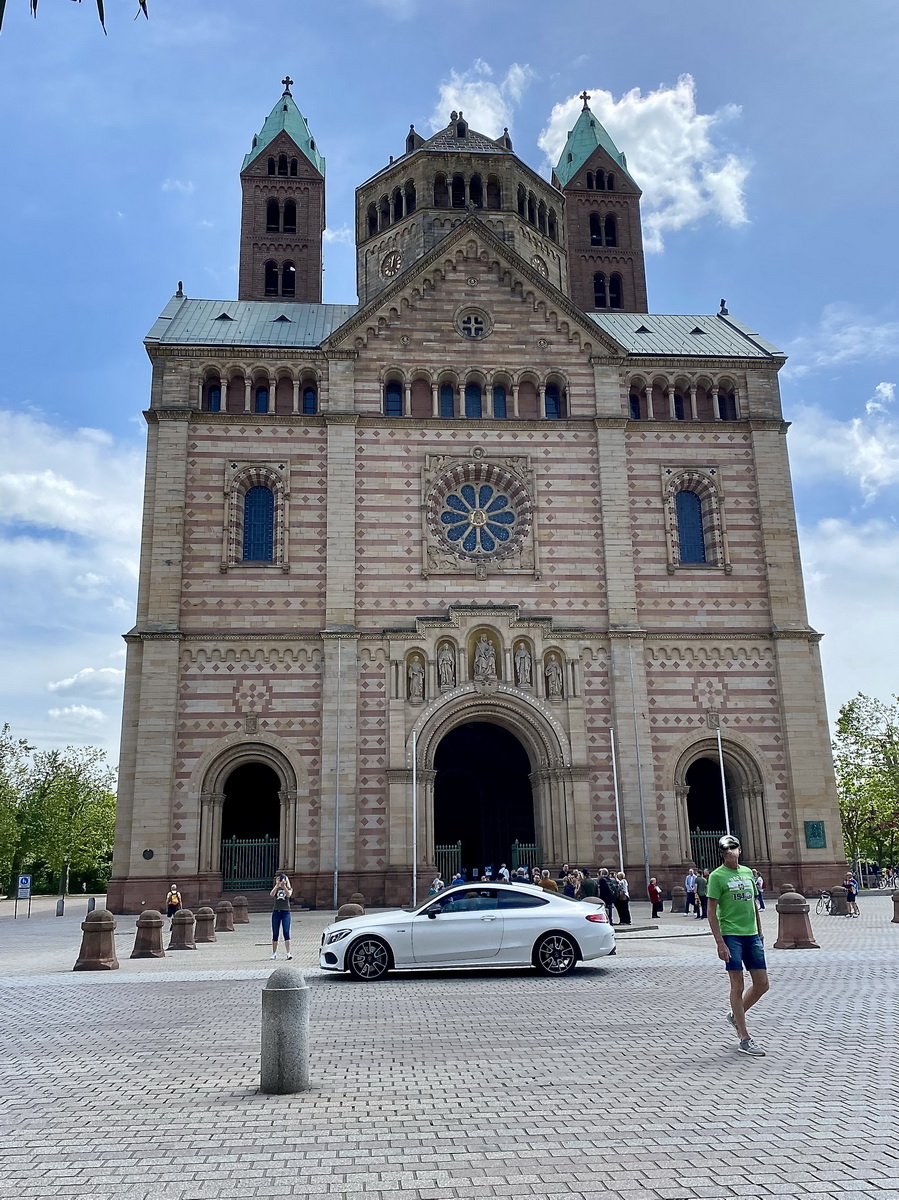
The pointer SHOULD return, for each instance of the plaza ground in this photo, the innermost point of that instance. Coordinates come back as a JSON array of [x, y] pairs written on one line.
[[621, 1081]]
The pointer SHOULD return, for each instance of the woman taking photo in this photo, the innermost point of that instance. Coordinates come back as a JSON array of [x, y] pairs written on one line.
[[282, 891]]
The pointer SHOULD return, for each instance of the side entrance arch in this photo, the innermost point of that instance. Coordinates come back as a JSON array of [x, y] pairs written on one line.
[[701, 802]]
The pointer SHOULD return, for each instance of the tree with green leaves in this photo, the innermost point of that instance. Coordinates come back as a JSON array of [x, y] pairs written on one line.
[[866, 758], [101, 11], [14, 767]]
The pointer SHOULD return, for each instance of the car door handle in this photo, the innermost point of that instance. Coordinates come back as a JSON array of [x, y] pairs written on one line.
[[491, 918]]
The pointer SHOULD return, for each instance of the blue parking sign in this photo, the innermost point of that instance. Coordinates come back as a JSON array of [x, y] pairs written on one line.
[[23, 891]]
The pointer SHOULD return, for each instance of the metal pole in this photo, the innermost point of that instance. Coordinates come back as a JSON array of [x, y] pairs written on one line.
[[630, 654], [337, 785], [617, 800], [723, 782], [414, 819]]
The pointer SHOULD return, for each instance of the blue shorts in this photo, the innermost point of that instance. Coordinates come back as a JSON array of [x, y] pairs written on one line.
[[746, 953]]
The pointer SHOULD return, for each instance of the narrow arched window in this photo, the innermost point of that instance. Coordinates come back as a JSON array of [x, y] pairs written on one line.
[[541, 217], [476, 191], [213, 396], [259, 525], [372, 219], [458, 192], [595, 230], [447, 400], [290, 216], [272, 216], [282, 164], [553, 403], [615, 292], [551, 225], [532, 209], [310, 400], [522, 200], [494, 192], [293, 166], [288, 279], [271, 166], [727, 406], [610, 226], [690, 536], [441, 192], [397, 205], [499, 402], [600, 181], [473, 400], [634, 402], [385, 211], [678, 407], [271, 278], [393, 399], [610, 182], [261, 405], [590, 180], [410, 197], [599, 290]]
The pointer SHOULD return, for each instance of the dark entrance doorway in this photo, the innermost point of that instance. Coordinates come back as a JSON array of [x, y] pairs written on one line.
[[251, 816], [705, 810], [482, 794]]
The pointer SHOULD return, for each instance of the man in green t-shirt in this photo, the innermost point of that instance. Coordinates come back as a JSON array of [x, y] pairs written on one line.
[[736, 926]]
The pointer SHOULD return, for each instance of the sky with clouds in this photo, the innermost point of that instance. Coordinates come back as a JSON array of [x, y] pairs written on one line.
[[763, 138]]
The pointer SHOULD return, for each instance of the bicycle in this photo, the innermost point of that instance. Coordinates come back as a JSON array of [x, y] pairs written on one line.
[[886, 881], [823, 905]]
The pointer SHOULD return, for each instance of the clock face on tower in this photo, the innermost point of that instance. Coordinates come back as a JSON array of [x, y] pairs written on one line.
[[538, 263], [390, 263]]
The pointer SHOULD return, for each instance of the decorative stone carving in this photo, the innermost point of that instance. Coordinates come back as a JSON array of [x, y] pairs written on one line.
[[484, 659], [553, 673], [523, 665], [446, 665], [416, 678]]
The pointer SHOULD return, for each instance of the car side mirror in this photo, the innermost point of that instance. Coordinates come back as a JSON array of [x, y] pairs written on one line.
[[432, 913]]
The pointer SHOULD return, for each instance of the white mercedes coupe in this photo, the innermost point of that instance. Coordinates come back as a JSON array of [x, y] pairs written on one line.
[[472, 925]]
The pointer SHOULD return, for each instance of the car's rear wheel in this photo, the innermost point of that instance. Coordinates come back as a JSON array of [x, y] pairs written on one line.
[[368, 959], [556, 954]]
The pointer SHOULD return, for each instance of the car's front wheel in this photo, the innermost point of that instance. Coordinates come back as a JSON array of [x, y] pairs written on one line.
[[368, 959], [555, 954]]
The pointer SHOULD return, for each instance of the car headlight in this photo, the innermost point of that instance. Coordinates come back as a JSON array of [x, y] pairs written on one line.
[[337, 936]]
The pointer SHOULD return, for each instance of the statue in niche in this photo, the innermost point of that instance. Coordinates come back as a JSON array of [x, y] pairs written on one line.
[[553, 678], [484, 659], [523, 665], [446, 665], [416, 679]]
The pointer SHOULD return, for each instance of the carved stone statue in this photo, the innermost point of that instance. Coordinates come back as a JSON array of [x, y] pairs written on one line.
[[553, 678], [523, 665], [446, 665], [416, 679], [484, 659]]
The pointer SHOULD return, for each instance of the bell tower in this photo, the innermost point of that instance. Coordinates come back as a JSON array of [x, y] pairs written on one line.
[[283, 212]]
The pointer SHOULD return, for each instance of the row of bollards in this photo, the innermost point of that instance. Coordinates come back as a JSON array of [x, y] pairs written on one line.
[[98, 942]]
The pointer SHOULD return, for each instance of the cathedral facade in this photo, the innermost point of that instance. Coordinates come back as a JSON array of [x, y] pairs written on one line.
[[493, 566]]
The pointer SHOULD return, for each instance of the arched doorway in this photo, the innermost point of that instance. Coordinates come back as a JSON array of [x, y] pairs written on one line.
[[251, 819], [483, 802], [705, 810]]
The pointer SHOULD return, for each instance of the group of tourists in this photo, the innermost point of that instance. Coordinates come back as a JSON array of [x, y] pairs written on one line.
[[611, 887]]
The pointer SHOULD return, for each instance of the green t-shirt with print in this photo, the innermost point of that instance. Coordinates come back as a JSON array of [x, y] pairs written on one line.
[[735, 892]]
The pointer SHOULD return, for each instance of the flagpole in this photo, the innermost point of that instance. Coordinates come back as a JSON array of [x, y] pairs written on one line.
[[617, 799], [723, 782], [414, 819]]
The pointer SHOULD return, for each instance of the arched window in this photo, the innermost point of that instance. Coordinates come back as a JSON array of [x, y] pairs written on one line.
[[271, 166], [441, 192], [552, 226], [600, 181], [615, 292], [261, 404], [259, 525], [310, 400], [634, 402], [727, 406], [595, 230], [541, 217], [599, 290], [473, 400], [393, 398], [458, 194], [397, 205], [410, 197], [494, 192], [610, 182], [282, 164], [476, 191], [554, 402], [690, 536], [213, 395], [372, 219], [385, 211], [532, 208], [290, 216], [447, 400], [611, 231], [271, 278], [272, 216], [678, 407], [293, 166], [499, 402], [590, 180], [288, 279], [522, 200]]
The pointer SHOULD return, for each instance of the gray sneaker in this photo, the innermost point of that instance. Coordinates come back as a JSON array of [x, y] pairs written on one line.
[[748, 1046], [730, 1020]]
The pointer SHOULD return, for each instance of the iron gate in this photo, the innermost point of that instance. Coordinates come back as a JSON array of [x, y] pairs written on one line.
[[449, 860], [526, 854], [248, 863], [704, 847]]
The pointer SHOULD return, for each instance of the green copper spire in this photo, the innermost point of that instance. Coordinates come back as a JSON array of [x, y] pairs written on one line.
[[287, 117], [587, 134]]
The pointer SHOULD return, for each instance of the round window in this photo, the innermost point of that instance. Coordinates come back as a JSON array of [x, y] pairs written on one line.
[[479, 510]]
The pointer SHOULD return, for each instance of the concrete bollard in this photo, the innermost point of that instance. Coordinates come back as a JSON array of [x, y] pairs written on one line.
[[358, 898], [182, 931], [895, 920], [794, 929], [241, 910], [838, 904], [204, 929], [61, 907], [91, 903], [224, 917], [285, 1033], [98, 943], [148, 939], [678, 898], [787, 887], [349, 910]]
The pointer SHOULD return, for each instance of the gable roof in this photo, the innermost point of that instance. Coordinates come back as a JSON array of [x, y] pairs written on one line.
[[285, 117], [246, 323], [587, 135], [684, 336]]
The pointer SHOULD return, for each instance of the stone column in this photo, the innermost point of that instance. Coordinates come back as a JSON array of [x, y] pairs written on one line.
[[672, 415], [541, 401], [515, 400], [296, 395], [247, 394], [224, 407], [716, 405], [210, 830], [435, 400], [287, 831], [407, 399], [650, 414], [694, 412]]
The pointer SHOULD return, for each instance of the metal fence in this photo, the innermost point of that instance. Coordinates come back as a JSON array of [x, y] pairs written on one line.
[[449, 860], [249, 864], [526, 854], [704, 847]]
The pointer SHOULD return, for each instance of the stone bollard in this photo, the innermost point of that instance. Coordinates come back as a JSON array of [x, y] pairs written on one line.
[[91, 903], [358, 898], [794, 930], [678, 898], [285, 1033], [148, 940], [838, 905], [349, 910], [895, 920], [205, 925], [224, 917], [241, 910], [182, 931], [787, 887], [97, 951]]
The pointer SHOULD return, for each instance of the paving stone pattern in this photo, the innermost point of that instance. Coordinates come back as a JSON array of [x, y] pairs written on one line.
[[621, 1081]]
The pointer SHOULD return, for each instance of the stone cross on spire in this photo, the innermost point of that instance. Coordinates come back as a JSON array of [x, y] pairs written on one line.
[[585, 96], [287, 81]]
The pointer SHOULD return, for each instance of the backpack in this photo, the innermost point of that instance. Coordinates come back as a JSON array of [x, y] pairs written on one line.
[[615, 887]]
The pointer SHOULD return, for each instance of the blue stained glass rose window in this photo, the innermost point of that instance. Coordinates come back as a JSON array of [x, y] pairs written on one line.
[[478, 518]]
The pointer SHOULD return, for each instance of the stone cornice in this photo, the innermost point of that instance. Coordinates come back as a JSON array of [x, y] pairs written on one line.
[[216, 352], [154, 415]]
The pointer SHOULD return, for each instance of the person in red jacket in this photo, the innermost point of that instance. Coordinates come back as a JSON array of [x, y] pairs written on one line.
[[655, 897]]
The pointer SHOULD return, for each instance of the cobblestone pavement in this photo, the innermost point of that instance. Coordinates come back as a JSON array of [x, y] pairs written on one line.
[[621, 1081]]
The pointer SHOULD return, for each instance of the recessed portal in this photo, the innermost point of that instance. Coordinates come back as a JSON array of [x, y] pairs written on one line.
[[482, 794], [250, 824], [705, 810]]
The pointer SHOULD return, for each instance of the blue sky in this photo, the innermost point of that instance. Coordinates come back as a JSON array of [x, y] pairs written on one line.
[[764, 139]]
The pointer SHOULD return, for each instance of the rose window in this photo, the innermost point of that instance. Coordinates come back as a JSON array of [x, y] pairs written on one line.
[[478, 509]]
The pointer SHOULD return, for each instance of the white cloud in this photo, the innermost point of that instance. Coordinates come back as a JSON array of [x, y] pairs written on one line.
[[844, 336], [671, 152], [488, 106], [78, 715], [178, 185], [343, 234], [102, 681], [863, 449]]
